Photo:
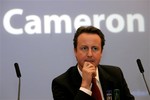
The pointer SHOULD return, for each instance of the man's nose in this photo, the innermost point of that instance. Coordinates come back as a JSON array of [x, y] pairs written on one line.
[[90, 53]]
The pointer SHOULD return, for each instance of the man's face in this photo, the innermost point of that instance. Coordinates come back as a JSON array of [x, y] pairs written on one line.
[[88, 49]]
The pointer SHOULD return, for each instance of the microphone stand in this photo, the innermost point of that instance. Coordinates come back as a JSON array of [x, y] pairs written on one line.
[[146, 83], [19, 77], [19, 85], [142, 71]]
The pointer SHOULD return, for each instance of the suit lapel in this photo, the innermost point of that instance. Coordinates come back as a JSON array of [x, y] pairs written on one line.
[[106, 81], [76, 78]]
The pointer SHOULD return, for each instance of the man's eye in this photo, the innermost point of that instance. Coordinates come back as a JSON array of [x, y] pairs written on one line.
[[84, 48], [94, 48]]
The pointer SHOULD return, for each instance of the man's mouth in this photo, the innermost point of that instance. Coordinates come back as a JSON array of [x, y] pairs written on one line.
[[89, 60]]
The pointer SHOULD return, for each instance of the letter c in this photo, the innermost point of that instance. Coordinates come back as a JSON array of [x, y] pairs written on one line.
[[7, 20]]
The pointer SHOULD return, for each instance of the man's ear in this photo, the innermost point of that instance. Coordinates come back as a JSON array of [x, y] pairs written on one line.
[[101, 53], [75, 51]]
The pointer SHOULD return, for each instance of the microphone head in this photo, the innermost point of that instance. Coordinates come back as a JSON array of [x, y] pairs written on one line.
[[17, 70], [140, 65]]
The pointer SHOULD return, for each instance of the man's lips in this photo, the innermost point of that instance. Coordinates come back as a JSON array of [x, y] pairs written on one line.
[[89, 60]]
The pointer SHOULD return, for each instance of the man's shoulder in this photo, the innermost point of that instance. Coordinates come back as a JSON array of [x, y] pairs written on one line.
[[109, 67], [64, 76]]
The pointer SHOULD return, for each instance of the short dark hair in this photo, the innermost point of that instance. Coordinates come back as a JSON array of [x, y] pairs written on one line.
[[89, 30]]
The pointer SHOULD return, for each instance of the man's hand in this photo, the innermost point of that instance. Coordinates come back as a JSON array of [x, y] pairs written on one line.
[[88, 72]]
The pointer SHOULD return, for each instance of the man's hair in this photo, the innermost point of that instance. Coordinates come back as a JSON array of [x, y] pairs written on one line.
[[88, 30]]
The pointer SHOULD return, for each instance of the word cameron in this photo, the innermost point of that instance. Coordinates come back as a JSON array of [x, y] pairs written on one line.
[[34, 24]]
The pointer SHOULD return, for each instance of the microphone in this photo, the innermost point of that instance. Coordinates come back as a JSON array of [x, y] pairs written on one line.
[[142, 71], [17, 70], [19, 76]]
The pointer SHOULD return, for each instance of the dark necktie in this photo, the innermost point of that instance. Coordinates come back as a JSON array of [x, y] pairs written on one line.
[[95, 90]]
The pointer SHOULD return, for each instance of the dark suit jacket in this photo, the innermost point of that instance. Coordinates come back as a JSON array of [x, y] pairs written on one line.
[[66, 86]]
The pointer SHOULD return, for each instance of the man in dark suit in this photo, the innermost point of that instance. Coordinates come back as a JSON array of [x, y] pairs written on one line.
[[76, 82]]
